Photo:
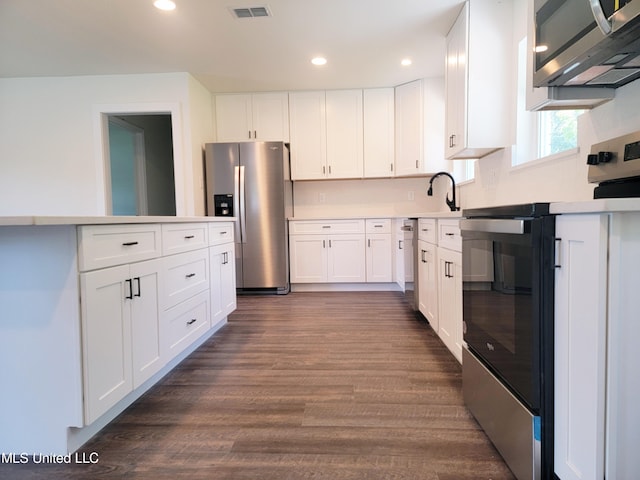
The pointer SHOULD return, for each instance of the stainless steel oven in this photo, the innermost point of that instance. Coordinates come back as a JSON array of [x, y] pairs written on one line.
[[508, 274]]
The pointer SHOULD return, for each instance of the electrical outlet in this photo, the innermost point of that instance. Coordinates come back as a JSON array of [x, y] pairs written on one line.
[[321, 198], [411, 195]]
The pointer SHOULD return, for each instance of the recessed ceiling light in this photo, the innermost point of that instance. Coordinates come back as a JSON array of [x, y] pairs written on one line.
[[319, 61], [540, 48], [166, 5], [406, 62]]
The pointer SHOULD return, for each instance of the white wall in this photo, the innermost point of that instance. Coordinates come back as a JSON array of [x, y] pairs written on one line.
[[50, 154], [384, 197], [202, 131]]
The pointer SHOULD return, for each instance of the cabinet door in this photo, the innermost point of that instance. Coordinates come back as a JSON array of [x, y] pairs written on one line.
[[399, 249], [233, 118], [409, 127], [344, 134], [346, 258], [307, 116], [223, 281], [308, 258], [106, 339], [379, 124], [456, 88], [428, 283], [379, 257], [270, 116], [580, 347], [450, 300], [145, 331], [228, 281]]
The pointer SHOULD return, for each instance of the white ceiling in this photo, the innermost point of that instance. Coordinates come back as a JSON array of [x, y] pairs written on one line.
[[363, 40]]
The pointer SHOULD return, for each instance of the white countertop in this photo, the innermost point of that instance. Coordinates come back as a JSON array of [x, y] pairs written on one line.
[[600, 205], [26, 220], [366, 216]]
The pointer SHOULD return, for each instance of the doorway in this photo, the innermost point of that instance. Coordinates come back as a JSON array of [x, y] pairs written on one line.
[[141, 164]]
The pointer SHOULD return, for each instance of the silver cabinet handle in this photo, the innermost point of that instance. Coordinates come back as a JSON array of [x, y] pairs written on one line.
[[557, 260]]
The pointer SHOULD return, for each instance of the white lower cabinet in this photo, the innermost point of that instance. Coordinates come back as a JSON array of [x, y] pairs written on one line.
[[346, 258], [137, 316], [379, 253], [223, 281], [341, 251], [185, 322], [440, 279], [428, 282], [327, 258], [120, 332], [596, 354], [450, 300]]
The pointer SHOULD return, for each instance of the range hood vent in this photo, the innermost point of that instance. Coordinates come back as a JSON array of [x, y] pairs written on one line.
[[251, 12]]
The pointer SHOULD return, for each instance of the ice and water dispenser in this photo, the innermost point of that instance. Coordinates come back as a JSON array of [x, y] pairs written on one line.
[[223, 205]]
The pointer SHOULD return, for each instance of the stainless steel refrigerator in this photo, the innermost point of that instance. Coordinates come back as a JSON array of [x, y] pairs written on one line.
[[251, 182]]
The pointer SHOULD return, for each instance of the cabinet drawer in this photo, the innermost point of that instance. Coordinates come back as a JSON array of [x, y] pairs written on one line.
[[427, 230], [184, 275], [184, 323], [184, 237], [326, 227], [102, 246], [449, 235], [378, 225], [220, 233]]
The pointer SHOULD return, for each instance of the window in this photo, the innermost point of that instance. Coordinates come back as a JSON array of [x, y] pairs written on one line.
[[557, 131], [541, 134], [464, 170]]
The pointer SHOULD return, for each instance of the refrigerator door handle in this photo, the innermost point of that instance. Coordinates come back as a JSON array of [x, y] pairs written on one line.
[[243, 213], [236, 202]]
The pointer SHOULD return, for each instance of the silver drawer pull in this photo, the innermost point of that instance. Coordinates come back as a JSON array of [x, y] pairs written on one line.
[[190, 275], [192, 321], [129, 244]]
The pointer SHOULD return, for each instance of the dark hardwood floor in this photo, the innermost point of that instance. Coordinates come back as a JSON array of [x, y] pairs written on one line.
[[331, 386]]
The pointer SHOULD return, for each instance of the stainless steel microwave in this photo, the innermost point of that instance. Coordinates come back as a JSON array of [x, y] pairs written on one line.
[[586, 42]]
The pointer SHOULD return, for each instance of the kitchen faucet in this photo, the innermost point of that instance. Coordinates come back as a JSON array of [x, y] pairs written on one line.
[[451, 203]]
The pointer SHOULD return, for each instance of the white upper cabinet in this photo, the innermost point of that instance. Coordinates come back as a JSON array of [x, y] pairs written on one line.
[[326, 134], [344, 134], [258, 116], [478, 75], [409, 126], [419, 126], [379, 135], [308, 128]]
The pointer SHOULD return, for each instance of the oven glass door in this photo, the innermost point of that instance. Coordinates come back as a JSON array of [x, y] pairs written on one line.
[[500, 305]]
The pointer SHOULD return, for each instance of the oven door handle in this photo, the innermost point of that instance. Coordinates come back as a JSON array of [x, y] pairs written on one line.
[[493, 225]]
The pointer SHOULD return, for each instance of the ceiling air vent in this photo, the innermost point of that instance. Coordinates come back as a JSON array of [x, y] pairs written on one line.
[[251, 12]]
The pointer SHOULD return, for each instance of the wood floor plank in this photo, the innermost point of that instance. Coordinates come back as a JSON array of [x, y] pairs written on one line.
[[335, 386]]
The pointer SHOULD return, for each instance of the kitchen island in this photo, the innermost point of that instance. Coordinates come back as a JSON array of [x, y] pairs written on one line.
[[95, 310]]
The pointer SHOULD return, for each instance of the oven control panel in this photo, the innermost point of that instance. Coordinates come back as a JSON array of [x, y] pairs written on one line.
[[615, 159]]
